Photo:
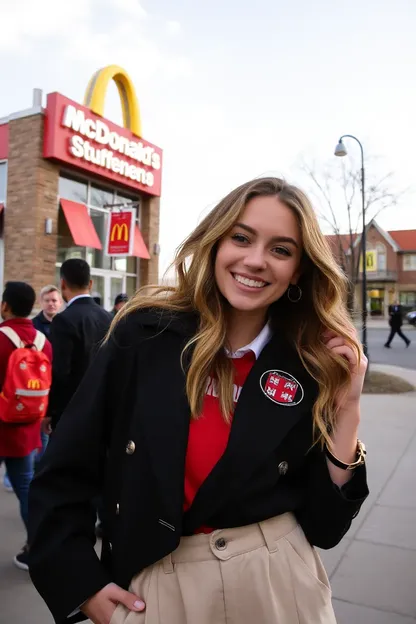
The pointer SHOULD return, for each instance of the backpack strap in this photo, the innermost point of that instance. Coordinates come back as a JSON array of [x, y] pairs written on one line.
[[12, 336], [39, 341]]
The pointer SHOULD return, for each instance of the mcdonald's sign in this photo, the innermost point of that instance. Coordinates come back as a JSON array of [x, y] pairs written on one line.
[[120, 233], [79, 135]]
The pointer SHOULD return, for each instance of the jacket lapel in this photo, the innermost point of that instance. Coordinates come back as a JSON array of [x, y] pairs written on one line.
[[165, 421], [277, 394]]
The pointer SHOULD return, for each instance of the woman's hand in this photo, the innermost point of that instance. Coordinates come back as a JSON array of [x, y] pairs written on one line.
[[345, 433], [358, 368], [100, 607]]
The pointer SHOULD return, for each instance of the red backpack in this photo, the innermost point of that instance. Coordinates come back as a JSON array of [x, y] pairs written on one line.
[[25, 393]]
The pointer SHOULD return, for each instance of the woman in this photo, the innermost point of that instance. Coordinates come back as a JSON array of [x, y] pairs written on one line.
[[220, 420]]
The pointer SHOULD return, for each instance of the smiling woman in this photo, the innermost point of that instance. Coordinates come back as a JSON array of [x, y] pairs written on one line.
[[230, 403]]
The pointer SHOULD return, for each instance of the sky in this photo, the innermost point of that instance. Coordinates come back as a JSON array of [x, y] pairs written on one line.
[[233, 92]]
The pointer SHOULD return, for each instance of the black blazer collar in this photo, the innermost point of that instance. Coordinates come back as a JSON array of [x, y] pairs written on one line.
[[81, 301], [277, 394]]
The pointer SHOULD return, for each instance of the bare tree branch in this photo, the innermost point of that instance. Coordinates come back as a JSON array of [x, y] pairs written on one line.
[[338, 191]]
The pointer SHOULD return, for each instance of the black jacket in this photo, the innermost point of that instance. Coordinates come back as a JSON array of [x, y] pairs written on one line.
[[125, 432], [396, 316], [41, 323], [75, 336]]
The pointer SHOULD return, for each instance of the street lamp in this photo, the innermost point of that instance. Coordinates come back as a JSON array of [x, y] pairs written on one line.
[[341, 150]]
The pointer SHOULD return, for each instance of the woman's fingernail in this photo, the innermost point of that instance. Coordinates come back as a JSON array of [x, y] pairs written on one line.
[[139, 604]]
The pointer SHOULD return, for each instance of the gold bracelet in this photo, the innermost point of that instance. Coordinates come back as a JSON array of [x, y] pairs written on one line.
[[361, 453]]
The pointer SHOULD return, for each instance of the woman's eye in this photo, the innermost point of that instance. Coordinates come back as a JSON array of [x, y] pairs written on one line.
[[239, 238], [281, 251]]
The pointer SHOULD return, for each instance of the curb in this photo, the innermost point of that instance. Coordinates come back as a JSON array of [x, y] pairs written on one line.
[[407, 374]]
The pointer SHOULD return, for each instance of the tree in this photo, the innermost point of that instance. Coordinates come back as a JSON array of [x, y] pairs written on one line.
[[337, 189]]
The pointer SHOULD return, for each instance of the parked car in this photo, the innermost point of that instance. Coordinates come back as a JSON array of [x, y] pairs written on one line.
[[411, 317]]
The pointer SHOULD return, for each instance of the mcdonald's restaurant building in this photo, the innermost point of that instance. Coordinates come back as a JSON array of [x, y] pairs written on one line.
[[65, 171]]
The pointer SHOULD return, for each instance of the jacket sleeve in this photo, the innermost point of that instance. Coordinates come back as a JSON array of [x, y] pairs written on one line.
[[63, 564], [329, 510], [62, 339]]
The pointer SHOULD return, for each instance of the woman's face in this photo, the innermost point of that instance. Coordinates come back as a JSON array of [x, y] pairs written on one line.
[[260, 256]]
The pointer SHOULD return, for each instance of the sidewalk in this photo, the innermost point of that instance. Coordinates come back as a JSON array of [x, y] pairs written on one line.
[[373, 569]]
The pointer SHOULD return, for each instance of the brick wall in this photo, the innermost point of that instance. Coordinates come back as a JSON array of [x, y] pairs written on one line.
[[32, 189], [149, 225], [407, 279], [374, 237]]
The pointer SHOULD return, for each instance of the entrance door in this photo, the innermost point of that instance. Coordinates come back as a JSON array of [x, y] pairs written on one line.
[[107, 284]]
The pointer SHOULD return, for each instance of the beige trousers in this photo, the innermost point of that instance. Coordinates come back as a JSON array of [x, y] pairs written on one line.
[[265, 573]]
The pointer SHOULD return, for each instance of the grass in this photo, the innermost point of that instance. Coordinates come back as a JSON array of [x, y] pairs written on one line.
[[382, 383]]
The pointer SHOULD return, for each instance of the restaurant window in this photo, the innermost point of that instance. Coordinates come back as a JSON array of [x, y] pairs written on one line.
[[73, 189], [110, 276], [100, 197]]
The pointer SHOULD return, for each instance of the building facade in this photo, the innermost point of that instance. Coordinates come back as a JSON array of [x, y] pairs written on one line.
[[390, 267], [63, 170]]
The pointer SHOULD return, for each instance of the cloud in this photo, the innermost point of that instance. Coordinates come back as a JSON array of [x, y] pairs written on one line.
[[173, 27], [24, 22], [95, 33]]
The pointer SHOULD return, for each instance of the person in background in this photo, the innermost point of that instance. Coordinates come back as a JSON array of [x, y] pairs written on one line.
[[51, 303], [119, 302], [75, 335], [19, 441], [396, 322]]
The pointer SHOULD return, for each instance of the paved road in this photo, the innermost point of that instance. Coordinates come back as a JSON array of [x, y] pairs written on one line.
[[398, 355]]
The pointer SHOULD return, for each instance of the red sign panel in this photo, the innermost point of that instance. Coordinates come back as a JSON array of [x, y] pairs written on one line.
[[76, 136], [120, 233]]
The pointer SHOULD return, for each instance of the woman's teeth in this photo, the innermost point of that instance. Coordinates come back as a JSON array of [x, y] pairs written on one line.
[[249, 282]]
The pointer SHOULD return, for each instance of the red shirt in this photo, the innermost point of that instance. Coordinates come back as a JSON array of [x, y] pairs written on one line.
[[18, 440], [208, 436]]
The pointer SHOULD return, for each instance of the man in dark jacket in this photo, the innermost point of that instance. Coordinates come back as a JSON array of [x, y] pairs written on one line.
[[75, 334], [396, 322], [51, 302]]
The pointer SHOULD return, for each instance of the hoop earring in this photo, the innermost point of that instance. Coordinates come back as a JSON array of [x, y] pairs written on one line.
[[298, 295]]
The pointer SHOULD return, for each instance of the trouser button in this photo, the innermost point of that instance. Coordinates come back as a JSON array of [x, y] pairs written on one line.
[[220, 544]]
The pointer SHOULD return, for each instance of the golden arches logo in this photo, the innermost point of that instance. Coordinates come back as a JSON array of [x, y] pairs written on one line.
[[97, 89], [118, 231], [33, 384]]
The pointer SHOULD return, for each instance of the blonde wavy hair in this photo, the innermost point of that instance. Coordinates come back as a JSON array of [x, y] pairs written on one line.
[[321, 308]]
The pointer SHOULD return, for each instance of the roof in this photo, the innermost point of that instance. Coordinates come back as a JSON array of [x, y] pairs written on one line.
[[401, 240], [334, 240], [405, 239]]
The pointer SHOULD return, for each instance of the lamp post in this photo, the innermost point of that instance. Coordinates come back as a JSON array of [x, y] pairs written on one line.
[[341, 150]]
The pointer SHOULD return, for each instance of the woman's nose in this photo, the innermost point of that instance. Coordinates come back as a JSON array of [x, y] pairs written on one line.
[[255, 258]]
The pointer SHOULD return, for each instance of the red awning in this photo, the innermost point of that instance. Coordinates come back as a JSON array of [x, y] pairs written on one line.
[[139, 248], [80, 224]]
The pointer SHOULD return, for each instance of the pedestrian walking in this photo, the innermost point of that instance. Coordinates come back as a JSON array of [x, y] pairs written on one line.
[[51, 303], [220, 419], [75, 334], [25, 357], [396, 322]]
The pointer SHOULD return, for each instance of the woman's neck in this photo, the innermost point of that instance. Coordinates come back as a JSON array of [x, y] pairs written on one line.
[[243, 327]]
